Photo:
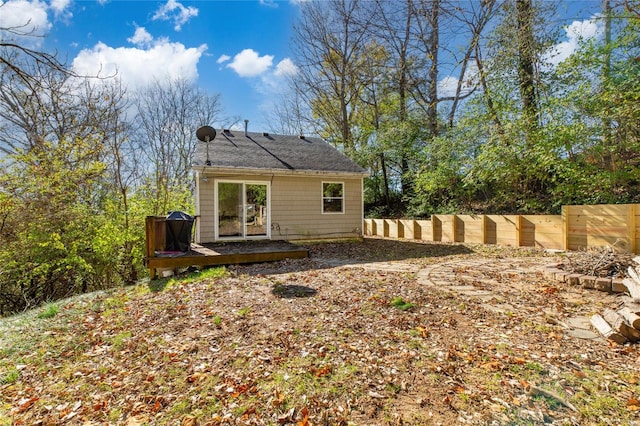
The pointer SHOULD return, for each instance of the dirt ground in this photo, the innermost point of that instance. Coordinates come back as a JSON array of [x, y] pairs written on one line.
[[373, 333]]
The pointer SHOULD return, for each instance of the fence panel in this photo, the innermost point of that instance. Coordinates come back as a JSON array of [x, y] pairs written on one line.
[[406, 229], [380, 228], [502, 230], [599, 226], [543, 231], [578, 227], [444, 227], [367, 227], [424, 230], [470, 228], [391, 228]]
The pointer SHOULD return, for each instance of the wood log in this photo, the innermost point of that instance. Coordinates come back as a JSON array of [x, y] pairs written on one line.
[[630, 316], [605, 330], [633, 288], [633, 284], [634, 274], [619, 324]]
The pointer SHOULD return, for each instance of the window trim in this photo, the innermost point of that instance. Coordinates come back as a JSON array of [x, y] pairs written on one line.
[[323, 198]]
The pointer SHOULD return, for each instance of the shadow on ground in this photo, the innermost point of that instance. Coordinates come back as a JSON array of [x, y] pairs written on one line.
[[324, 255], [291, 291]]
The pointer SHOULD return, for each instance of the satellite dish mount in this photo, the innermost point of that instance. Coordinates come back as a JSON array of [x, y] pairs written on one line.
[[206, 134]]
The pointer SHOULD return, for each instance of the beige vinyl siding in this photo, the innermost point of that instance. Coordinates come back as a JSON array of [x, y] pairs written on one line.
[[296, 207], [205, 220]]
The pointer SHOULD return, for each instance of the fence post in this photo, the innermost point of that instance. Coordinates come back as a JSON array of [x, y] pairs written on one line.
[[518, 230], [454, 228], [483, 230], [631, 227], [565, 228], [433, 227]]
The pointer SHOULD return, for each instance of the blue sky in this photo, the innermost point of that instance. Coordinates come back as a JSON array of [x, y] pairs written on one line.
[[239, 49]]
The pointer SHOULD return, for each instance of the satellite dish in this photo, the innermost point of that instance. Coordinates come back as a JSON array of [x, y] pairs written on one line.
[[206, 133]]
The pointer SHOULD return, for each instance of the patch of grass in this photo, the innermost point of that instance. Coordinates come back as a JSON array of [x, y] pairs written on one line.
[[10, 377], [119, 339], [217, 321], [49, 311], [243, 312], [596, 403], [399, 303], [180, 407], [162, 284]]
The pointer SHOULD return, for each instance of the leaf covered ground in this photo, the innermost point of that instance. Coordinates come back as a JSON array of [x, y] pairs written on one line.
[[360, 333]]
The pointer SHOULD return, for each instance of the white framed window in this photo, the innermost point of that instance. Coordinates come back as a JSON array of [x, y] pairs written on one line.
[[332, 197]]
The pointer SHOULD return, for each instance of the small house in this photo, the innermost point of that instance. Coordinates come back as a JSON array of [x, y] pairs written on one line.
[[252, 186]]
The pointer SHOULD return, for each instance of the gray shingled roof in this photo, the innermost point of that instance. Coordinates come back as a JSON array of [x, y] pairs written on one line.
[[232, 149]]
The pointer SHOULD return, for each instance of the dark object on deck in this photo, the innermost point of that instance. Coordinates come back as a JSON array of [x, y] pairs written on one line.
[[179, 225]]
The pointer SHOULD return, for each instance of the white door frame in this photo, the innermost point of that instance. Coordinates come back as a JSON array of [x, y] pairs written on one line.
[[216, 206]]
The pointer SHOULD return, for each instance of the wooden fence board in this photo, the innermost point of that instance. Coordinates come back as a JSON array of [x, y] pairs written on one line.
[[544, 231], [436, 224], [367, 227], [598, 210], [446, 227], [505, 229], [391, 228], [469, 228], [424, 230], [380, 228], [406, 229]]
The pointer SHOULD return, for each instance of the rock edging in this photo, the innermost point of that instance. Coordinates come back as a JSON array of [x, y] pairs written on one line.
[[554, 271]]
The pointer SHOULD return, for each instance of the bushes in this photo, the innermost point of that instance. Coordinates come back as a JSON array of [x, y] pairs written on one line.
[[59, 236]]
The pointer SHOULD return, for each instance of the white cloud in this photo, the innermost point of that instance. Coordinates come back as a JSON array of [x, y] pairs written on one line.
[[136, 67], [448, 85], [286, 67], [223, 59], [141, 37], [27, 21], [577, 32], [60, 8], [249, 63], [176, 12], [269, 3]]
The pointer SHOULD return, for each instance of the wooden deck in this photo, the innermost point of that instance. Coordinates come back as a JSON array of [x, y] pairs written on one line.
[[228, 253]]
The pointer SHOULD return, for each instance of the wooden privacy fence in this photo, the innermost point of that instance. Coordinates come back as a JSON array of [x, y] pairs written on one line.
[[578, 227]]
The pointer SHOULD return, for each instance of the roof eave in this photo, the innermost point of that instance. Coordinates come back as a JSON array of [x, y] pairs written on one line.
[[275, 172]]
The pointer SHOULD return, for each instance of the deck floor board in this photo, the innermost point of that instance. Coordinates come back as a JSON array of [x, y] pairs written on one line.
[[227, 253]]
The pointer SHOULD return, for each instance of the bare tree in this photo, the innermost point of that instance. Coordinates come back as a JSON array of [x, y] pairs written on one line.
[[59, 107], [167, 117], [329, 39]]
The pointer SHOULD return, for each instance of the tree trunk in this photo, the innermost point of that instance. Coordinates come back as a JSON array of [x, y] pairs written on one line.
[[526, 63]]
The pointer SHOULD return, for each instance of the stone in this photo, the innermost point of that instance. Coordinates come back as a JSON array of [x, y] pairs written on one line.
[[550, 273], [617, 286], [603, 284], [588, 281], [573, 279]]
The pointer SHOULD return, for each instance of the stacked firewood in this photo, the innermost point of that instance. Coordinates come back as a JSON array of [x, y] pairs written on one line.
[[623, 324]]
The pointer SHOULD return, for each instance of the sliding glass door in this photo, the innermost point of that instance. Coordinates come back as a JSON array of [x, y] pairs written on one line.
[[242, 210]]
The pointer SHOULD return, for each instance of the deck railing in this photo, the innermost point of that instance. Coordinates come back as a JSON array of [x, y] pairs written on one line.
[[578, 227]]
